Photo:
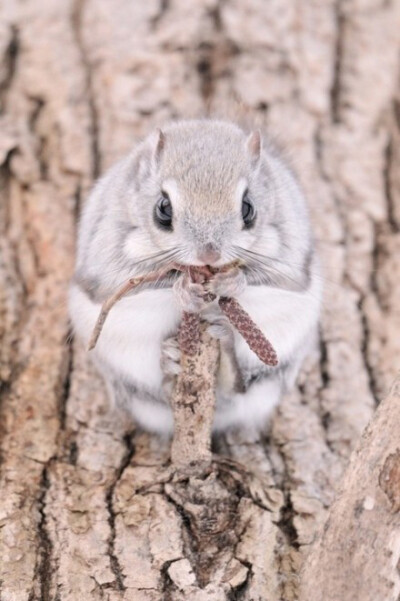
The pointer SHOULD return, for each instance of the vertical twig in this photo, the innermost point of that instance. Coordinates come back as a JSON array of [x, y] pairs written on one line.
[[193, 397], [193, 402]]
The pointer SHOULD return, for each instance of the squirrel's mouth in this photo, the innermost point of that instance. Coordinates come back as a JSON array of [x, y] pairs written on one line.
[[221, 263]]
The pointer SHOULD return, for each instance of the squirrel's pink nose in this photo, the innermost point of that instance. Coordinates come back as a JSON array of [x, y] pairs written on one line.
[[209, 254]]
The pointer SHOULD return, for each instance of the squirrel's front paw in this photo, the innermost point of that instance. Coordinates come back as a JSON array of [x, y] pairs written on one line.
[[170, 357], [228, 283], [170, 364], [220, 328], [190, 295]]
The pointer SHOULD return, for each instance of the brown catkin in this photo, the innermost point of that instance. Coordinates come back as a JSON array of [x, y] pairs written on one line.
[[189, 333], [248, 329]]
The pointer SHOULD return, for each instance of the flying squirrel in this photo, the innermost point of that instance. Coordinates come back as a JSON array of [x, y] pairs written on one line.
[[198, 193]]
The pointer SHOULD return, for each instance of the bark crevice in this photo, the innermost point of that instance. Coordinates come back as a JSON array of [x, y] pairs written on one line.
[[114, 561], [77, 16]]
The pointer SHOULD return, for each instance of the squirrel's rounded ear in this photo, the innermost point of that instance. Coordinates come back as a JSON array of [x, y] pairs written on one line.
[[159, 145], [254, 145]]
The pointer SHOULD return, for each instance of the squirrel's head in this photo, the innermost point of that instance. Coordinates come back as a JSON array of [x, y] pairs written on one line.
[[202, 191]]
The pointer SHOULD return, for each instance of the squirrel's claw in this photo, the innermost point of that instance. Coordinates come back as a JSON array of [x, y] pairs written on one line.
[[227, 283], [189, 295]]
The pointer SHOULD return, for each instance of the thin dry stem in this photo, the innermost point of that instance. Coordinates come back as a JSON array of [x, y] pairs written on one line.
[[130, 285], [193, 402]]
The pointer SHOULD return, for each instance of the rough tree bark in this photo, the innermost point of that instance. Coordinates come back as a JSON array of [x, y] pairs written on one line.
[[358, 553], [88, 506]]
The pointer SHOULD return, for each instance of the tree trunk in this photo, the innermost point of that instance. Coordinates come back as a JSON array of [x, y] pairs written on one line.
[[358, 554], [90, 508]]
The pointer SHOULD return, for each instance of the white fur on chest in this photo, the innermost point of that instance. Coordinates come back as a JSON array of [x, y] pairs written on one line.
[[131, 337]]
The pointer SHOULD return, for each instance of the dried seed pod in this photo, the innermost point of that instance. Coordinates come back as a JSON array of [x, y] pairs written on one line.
[[189, 333], [254, 337]]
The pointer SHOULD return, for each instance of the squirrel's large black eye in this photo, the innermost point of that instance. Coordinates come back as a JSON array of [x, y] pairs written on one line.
[[163, 211], [248, 210]]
